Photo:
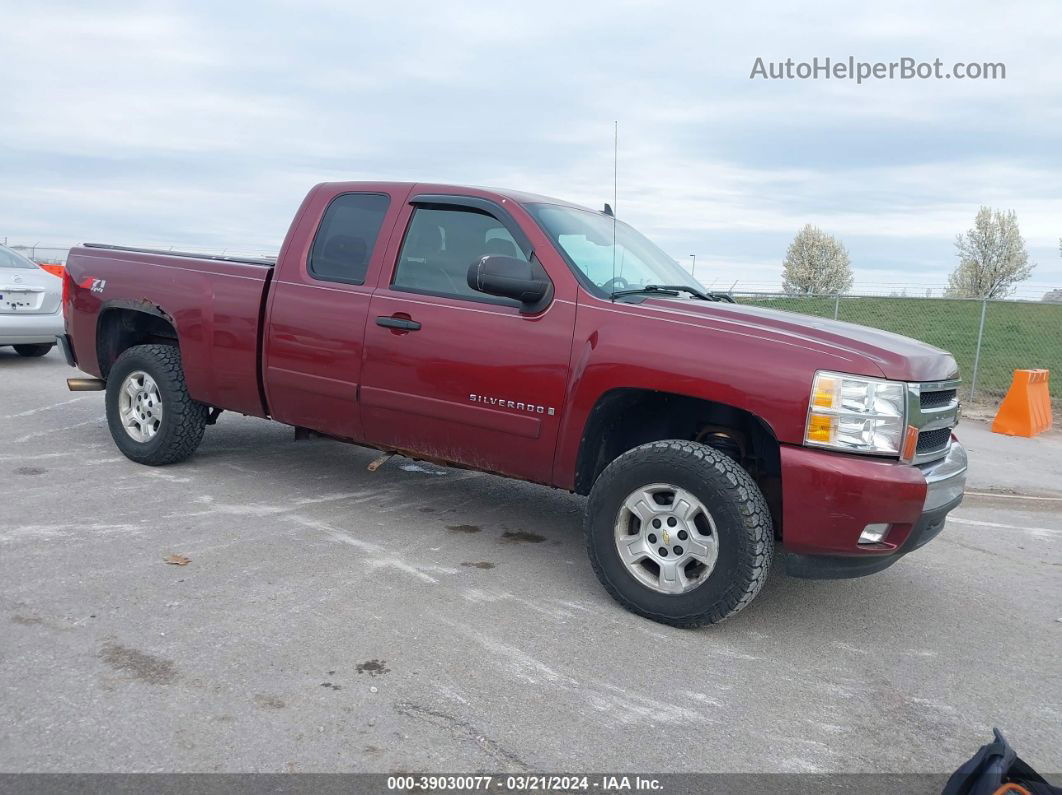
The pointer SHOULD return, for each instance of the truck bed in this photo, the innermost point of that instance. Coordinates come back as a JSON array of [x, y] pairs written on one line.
[[215, 302], [268, 262]]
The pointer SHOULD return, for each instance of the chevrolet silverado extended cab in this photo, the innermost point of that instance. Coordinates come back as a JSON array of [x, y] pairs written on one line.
[[536, 339]]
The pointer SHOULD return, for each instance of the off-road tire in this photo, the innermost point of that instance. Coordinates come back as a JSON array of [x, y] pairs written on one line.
[[741, 515], [183, 419], [36, 349]]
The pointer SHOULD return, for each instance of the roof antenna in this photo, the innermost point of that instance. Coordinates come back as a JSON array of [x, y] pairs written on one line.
[[615, 203]]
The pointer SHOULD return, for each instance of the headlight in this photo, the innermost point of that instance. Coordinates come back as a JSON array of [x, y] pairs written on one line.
[[856, 414]]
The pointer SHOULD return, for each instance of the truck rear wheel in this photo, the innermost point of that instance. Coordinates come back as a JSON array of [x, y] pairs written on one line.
[[151, 416], [679, 533]]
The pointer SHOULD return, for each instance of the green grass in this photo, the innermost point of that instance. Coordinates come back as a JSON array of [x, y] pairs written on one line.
[[1017, 335]]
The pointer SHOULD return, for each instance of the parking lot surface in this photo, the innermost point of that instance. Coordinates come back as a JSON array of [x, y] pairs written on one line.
[[427, 619]]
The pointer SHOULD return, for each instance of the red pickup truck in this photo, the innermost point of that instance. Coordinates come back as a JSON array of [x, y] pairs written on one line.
[[535, 339]]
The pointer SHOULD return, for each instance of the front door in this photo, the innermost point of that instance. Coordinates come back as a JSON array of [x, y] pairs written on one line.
[[456, 375]]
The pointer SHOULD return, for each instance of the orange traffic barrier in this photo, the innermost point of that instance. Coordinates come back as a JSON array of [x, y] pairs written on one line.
[[1026, 410], [53, 268]]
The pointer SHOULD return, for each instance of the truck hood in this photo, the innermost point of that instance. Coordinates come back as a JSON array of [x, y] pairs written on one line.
[[892, 355]]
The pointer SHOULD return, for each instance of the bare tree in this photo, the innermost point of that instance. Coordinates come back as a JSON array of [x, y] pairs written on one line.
[[992, 257], [816, 264]]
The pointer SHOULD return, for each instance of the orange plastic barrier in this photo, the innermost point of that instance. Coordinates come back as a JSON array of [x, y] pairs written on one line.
[[53, 268], [1026, 410]]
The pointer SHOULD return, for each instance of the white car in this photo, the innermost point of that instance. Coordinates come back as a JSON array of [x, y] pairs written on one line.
[[31, 305]]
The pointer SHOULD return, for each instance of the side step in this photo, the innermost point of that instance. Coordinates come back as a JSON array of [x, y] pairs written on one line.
[[86, 384]]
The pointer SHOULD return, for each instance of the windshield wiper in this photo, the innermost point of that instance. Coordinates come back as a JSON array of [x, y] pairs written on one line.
[[671, 289]]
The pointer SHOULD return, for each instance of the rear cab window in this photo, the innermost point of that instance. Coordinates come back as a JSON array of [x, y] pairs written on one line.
[[343, 245]]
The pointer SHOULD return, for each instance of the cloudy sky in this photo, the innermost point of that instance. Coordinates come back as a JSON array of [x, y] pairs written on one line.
[[202, 124]]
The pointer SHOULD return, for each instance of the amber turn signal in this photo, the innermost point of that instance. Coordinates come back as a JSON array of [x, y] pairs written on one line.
[[910, 443], [820, 428]]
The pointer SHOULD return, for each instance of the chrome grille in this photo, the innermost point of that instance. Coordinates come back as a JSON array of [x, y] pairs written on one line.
[[933, 441], [932, 410], [934, 400]]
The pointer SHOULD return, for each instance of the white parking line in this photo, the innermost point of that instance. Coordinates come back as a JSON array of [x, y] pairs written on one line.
[[1011, 496], [44, 408], [38, 434], [1034, 530]]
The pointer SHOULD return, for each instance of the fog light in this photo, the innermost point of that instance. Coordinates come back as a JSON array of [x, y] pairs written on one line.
[[873, 533]]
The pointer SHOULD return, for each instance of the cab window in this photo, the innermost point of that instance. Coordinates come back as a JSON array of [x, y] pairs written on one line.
[[344, 242], [440, 245]]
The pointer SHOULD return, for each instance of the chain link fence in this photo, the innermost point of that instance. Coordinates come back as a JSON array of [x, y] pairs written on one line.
[[55, 255], [989, 339]]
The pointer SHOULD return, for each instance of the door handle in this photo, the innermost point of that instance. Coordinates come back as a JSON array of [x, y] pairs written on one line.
[[401, 323]]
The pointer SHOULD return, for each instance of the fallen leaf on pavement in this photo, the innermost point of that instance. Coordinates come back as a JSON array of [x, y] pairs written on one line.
[[178, 560]]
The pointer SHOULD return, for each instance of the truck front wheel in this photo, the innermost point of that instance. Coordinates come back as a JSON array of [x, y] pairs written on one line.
[[151, 416], [679, 533]]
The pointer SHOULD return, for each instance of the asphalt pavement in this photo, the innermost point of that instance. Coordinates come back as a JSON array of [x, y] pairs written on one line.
[[426, 619]]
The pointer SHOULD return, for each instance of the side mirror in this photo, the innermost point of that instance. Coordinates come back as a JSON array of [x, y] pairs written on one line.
[[509, 277]]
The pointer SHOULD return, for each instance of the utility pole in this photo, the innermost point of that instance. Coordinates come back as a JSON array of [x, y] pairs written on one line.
[[693, 267]]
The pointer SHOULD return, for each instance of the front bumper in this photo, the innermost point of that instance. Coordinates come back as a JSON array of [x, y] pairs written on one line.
[[913, 501]]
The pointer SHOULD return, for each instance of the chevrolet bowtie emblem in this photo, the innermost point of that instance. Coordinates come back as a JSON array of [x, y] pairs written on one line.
[[667, 538]]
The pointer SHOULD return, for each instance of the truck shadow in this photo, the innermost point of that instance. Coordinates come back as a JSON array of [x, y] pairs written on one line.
[[521, 525]]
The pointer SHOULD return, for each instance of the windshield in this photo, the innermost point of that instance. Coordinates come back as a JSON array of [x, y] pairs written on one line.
[[586, 240], [10, 259]]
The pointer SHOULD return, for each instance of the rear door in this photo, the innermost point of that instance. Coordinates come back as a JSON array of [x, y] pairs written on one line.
[[453, 374], [318, 306]]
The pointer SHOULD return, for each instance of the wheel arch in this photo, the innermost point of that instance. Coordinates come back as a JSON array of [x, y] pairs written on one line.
[[625, 417], [122, 324]]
